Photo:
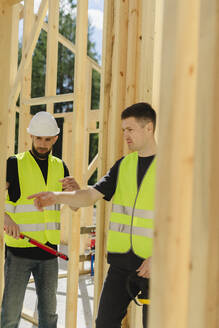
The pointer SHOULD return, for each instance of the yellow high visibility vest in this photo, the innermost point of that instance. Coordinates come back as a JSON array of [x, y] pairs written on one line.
[[132, 217], [42, 226]]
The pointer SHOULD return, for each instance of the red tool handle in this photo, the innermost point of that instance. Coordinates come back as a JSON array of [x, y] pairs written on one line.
[[44, 247]]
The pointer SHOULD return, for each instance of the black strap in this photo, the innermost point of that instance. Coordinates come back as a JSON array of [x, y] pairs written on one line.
[[131, 277]]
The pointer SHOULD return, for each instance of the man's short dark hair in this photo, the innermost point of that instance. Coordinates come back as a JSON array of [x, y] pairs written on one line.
[[141, 111]]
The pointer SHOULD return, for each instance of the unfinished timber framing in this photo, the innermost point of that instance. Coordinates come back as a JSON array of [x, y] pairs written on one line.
[[19, 84], [164, 52]]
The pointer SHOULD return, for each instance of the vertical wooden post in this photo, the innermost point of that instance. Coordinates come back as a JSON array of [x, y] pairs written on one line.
[[133, 318], [158, 35], [132, 56], [5, 60], [24, 117], [113, 82], [204, 290], [86, 212], [145, 58], [118, 82], [132, 43], [13, 71], [78, 140], [52, 51], [105, 99], [170, 272]]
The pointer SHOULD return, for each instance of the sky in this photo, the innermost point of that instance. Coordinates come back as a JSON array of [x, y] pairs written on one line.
[[95, 14]]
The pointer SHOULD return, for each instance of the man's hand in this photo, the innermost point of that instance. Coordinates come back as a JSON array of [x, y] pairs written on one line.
[[145, 268], [69, 184], [43, 199], [11, 228]]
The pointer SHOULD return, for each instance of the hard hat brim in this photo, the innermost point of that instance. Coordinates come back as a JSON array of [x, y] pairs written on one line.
[[37, 134]]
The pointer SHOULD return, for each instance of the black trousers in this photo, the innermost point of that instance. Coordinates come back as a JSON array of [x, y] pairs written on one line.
[[115, 299]]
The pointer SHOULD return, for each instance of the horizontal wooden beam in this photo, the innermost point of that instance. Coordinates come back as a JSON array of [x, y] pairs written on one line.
[[94, 114], [28, 316], [66, 115], [49, 100], [9, 2], [91, 130]]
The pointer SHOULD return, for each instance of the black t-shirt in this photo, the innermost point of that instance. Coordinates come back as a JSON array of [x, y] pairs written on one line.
[[107, 186], [14, 195]]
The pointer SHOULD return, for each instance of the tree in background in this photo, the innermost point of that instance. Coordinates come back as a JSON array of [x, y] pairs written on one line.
[[65, 80]]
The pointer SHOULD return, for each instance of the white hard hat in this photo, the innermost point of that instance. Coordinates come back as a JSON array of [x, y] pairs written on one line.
[[43, 124]]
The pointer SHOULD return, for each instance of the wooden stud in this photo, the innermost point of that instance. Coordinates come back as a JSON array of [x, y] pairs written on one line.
[[87, 212], [117, 95], [6, 16], [145, 39], [13, 71], [105, 99], [158, 26], [52, 51], [133, 318], [133, 18], [204, 265], [132, 60], [175, 167], [78, 139], [24, 140]]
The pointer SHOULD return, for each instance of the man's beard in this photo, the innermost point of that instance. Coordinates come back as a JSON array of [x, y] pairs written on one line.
[[39, 155]]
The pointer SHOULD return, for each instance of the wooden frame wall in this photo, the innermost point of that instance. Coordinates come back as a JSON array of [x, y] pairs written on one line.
[[173, 56], [20, 84]]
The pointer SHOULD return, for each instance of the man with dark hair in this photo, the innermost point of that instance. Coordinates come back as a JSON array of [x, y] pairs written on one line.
[[142, 112], [131, 184]]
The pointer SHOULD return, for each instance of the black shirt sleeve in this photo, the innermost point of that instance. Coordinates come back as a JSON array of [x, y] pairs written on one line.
[[12, 178], [107, 184], [66, 171]]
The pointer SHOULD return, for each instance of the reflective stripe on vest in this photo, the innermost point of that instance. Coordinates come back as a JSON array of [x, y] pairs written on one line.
[[124, 228], [29, 208], [116, 208], [10, 208], [39, 227], [132, 215], [42, 226], [32, 208]]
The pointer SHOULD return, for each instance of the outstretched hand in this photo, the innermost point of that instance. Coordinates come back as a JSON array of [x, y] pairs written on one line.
[[42, 199]]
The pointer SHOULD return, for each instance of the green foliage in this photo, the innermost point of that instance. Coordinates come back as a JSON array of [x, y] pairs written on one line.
[[39, 67], [95, 91]]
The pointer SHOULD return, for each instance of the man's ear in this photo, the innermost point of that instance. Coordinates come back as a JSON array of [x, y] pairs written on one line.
[[149, 126], [55, 139]]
